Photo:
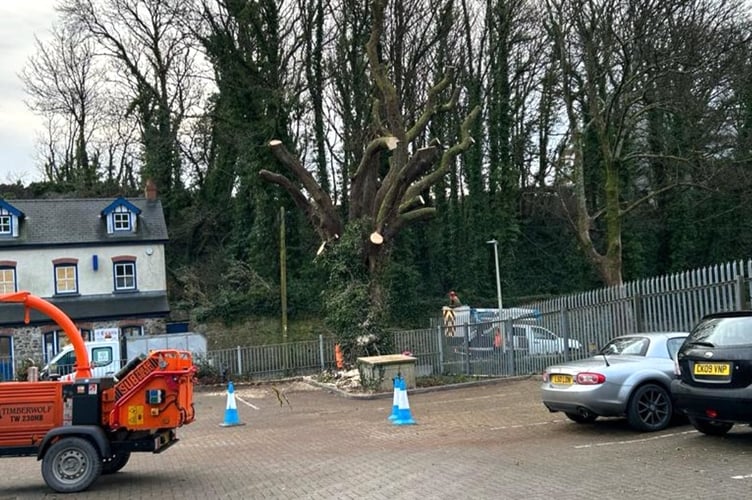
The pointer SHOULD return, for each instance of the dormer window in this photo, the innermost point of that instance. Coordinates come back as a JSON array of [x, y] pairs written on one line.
[[9, 218], [121, 217]]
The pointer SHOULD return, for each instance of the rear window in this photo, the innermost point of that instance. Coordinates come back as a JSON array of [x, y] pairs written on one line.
[[632, 346], [723, 332]]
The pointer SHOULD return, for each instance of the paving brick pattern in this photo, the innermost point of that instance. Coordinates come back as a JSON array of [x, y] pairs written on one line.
[[493, 441]]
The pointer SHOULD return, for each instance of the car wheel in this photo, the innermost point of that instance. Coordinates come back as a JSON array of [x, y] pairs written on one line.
[[650, 408], [710, 427], [581, 418]]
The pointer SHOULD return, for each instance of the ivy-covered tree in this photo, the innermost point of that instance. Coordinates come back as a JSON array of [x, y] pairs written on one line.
[[398, 165]]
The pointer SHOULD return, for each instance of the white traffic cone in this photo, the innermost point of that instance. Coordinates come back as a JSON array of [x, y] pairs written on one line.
[[395, 399], [404, 417], [231, 410]]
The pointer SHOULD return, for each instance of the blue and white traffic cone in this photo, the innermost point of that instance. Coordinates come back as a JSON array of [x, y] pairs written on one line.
[[404, 417], [231, 410], [395, 399]]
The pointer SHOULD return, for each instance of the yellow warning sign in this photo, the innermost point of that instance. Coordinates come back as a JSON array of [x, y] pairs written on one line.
[[448, 321], [135, 415]]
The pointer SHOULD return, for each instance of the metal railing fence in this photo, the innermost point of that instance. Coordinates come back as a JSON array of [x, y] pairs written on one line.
[[667, 303]]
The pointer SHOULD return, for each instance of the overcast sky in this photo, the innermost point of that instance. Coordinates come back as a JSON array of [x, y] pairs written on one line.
[[20, 20]]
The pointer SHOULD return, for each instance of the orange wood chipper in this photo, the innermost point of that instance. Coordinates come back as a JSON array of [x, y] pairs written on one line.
[[90, 426]]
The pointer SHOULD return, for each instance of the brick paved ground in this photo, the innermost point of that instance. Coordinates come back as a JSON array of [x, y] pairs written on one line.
[[491, 441]]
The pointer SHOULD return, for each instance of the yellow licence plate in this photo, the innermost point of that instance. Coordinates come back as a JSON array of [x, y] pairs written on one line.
[[561, 379], [712, 369]]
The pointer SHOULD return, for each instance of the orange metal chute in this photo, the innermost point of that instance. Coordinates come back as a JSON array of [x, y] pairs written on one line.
[[83, 368]]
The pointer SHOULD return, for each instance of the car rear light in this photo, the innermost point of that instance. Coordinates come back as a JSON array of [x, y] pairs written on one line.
[[590, 378], [677, 368], [711, 413], [545, 376]]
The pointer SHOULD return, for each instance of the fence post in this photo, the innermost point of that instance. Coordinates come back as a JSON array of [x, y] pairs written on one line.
[[638, 316], [564, 325], [440, 339], [240, 362], [509, 341], [741, 293], [466, 332], [321, 352]]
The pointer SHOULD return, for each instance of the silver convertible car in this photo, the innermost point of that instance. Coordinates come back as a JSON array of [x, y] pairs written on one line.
[[629, 377]]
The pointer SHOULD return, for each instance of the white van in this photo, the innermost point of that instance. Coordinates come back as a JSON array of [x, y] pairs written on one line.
[[538, 340], [108, 356]]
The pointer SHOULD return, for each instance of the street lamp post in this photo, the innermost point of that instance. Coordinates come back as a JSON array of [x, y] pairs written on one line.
[[498, 279]]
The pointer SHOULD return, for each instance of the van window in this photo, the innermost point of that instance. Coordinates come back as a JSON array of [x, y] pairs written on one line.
[[101, 356], [542, 334], [64, 365]]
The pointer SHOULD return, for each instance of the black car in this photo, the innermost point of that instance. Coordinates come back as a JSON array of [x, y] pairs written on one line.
[[714, 367]]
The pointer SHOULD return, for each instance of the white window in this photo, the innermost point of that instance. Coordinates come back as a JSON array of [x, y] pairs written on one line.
[[52, 345], [66, 278], [121, 221], [125, 276], [132, 331], [6, 224]]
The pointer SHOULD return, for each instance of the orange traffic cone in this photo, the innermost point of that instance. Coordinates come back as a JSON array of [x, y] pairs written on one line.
[[339, 358]]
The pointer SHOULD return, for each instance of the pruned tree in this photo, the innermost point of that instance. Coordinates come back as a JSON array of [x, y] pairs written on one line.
[[399, 163]]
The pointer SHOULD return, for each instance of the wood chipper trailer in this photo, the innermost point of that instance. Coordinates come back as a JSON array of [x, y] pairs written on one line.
[[90, 426]]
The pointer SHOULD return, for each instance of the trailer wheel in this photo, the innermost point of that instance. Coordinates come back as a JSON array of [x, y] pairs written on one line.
[[116, 462], [71, 465]]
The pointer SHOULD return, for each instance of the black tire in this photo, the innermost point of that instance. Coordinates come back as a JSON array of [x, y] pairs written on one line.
[[71, 465], [116, 462], [710, 427], [650, 408], [588, 418]]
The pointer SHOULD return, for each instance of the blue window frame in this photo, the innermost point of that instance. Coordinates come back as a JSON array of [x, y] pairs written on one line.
[[6, 358], [125, 275], [7, 279], [51, 345], [66, 279]]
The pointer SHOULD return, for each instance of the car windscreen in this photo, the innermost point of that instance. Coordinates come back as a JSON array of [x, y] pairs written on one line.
[[722, 332], [629, 346]]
